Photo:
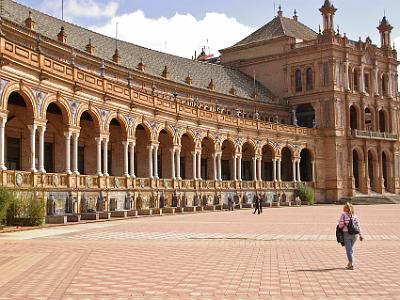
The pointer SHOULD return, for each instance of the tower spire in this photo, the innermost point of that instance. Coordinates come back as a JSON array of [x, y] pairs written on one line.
[[328, 12], [385, 30]]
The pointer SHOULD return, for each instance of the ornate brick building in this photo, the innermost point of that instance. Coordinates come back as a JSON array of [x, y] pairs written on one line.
[[81, 114]]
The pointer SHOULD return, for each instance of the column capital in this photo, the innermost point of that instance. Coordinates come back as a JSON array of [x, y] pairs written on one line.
[[41, 128], [32, 127]]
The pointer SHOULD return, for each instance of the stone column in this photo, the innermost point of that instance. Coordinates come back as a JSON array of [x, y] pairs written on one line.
[[68, 136], [274, 169], [98, 141], [105, 157], [362, 83], [199, 165], [254, 169], [313, 170], [294, 117], [155, 149], [215, 166], [294, 163], [75, 137], [150, 161], [376, 82], [346, 74], [194, 165], [3, 143], [178, 167], [126, 159], [132, 159], [240, 168], [390, 85], [41, 130], [173, 163], [235, 164], [298, 171], [259, 168], [219, 167], [279, 166], [32, 130]]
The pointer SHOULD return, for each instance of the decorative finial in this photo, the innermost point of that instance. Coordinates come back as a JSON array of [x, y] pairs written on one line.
[[102, 68], [280, 12], [141, 66], [319, 29]]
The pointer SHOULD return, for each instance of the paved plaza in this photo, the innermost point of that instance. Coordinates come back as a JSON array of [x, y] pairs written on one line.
[[285, 253]]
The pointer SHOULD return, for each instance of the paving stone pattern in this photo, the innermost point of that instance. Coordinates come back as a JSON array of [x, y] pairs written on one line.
[[284, 253]]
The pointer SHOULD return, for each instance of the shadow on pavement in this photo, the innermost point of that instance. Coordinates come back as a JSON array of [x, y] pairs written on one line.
[[319, 270]]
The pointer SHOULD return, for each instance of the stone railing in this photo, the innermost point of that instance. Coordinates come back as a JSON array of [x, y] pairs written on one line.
[[363, 134], [28, 180]]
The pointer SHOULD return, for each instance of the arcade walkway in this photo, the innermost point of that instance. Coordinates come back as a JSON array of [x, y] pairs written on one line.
[[285, 253]]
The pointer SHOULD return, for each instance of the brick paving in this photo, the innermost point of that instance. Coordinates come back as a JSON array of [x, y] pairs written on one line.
[[285, 253]]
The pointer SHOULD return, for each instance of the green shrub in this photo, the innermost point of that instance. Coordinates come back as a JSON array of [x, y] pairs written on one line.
[[306, 194], [6, 198], [28, 210]]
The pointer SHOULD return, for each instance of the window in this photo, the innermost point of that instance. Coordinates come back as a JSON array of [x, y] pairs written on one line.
[[355, 80], [298, 83], [366, 83], [326, 74], [310, 79]]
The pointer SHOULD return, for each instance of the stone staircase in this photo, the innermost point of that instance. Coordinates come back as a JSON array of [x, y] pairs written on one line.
[[375, 198]]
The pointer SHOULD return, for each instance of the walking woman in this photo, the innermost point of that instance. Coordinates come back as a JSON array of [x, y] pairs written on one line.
[[351, 230]]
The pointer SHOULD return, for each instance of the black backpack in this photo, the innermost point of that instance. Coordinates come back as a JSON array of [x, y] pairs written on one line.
[[351, 228]]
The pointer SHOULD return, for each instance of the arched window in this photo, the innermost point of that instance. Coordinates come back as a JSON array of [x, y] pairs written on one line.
[[384, 85], [298, 83], [353, 118], [310, 79], [356, 80]]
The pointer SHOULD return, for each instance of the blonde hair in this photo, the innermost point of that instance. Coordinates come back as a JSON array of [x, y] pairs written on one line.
[[348, 207]]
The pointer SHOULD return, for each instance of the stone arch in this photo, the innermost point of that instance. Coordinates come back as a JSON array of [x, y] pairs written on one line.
[[18, 152], [268, 156], [93, 113], [188, 145], [298, 81], [306, 165], [88, 122], [309, 79], [369, 118], [26, 93], [166, 139], [62, 104], [384, 122], [143, 137], [287, 155], [248, 151], [305, 115], [386, 168], [208, 157], [355, 116], [122, 121], [227, 158], [373, 167], [357, 161]]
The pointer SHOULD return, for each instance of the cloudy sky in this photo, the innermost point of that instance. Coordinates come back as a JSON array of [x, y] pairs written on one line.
[[182, 26]]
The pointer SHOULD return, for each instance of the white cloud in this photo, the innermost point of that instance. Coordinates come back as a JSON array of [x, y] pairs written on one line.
[[180, 34], [89, 8], [81, 9]]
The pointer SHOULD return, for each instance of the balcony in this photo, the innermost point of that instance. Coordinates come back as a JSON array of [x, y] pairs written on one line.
[[362, 134]]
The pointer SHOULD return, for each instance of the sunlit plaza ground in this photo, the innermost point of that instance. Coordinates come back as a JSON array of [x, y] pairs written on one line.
[[284, 253]]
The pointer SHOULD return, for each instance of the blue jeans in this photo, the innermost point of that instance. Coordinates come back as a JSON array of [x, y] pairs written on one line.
[[349, 241]]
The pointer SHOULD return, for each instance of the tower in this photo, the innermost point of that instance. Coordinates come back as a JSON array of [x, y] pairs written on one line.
[[385, 30], [328, 12]]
